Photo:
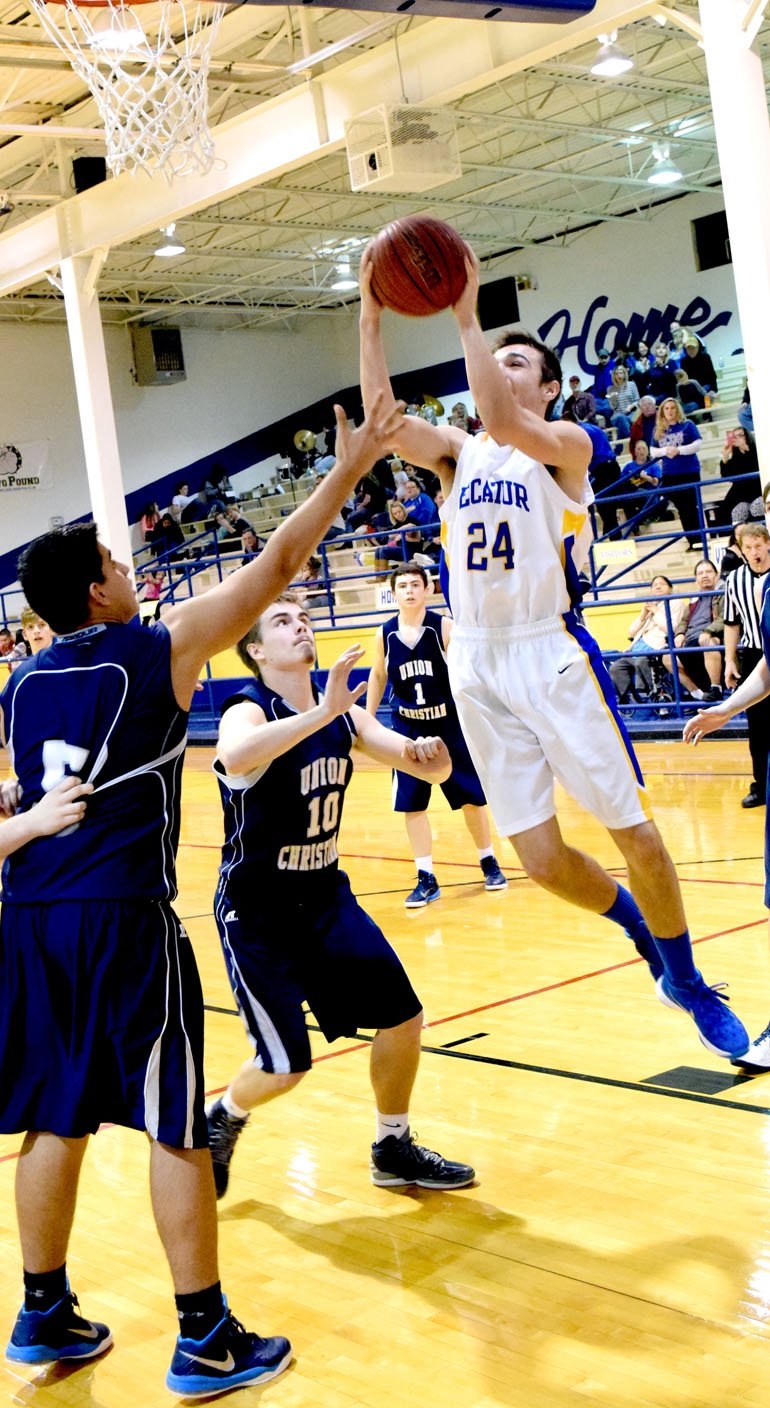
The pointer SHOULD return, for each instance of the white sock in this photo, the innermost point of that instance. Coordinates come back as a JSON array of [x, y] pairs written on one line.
[[424, 863], [488, 851], [230, 1108], [697, 694], [397, 1125]]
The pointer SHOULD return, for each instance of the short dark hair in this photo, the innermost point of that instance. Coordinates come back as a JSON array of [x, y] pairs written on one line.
[[659, 577], [413, 569], [56, 572], [551, 364], [254, 635]]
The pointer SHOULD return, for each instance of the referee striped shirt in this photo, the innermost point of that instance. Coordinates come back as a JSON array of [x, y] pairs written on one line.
[[741, 607]]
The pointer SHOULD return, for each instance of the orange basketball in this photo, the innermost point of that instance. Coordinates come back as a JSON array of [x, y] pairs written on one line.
[[418, 266]]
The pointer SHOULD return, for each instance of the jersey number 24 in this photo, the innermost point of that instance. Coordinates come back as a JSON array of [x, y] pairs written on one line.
[[502, 547]]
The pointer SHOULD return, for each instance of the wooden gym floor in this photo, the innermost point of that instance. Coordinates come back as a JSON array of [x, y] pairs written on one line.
[[616, 1248]]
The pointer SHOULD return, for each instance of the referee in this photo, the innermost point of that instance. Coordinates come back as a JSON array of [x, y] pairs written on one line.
[[743, 644]]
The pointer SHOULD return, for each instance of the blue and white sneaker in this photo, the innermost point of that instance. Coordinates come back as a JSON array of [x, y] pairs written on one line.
[[757, 1058], [493, 875], [44, 1336], [228, 1357], [425, 891], [718, 1028]]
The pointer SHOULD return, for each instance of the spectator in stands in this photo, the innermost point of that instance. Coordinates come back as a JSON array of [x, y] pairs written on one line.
[[36, 635], [216, 490], [732, 557], [602, 383], [231, 524], [641, 474], [186, 507], [701, 674], [6, 641], [605, 475], [643, 428], [419, 505], [660, 381], [167, 537], [579, 405], [745, 413], [676, 343], [624, 400], [252, 545], [743, 645], [149, 520], [459, 416], [430, 552], [675, 445], [698, 366], [649, 635], [691, 394], [313, 590], [399, 547], [639, 364], [744, 499], [370, 499]]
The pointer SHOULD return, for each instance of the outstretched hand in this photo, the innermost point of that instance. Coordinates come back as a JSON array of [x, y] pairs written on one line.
[[338, 696], [357, 450], [705, 721]]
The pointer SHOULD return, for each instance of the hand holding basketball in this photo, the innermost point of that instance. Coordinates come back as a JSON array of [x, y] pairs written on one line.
[[416, 266]]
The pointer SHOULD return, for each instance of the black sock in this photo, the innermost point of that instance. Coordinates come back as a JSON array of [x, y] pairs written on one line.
[[43, 1289], [200, 1312]]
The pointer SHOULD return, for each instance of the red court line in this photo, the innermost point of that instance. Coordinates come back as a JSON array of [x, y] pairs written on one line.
[[489, 1006]]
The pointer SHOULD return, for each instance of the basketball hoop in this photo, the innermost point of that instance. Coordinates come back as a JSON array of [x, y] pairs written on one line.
[[148, 76]]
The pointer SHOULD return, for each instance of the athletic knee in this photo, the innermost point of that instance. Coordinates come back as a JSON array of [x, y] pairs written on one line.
[[282, 1081], [645, 846]]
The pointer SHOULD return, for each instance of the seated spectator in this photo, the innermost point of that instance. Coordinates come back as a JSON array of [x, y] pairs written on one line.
[[400, 547], [643, 428], [579, 405], [186, 507], [649, 635], [6, 641], [313, 589], [701, 674], [660, 381], [605, 475], [431, 547], [216, 490], [744, 499], [419, 506], [231, 524], [624, 400], [745, 413], [697, 365], [639, 364], [676, 343], [459, 416], [602, 383], [148, 521], [252, 545], [167, 537], [641, 474], [370, 499], [732, 557], [675, 445], [691, 394]]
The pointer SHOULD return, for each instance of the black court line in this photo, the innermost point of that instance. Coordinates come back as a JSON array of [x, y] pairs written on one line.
[[463, 1040], [647, 1088]]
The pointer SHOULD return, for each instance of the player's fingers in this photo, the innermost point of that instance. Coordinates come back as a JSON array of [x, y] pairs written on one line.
[[358, 691]]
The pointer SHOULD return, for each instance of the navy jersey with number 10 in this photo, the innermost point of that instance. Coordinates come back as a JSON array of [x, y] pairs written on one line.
[[282, 819]]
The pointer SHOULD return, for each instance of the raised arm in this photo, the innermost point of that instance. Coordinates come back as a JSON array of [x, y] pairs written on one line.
[[208, 624], [429, 446], [426, 758], [248, 740], [559, 443], [378, 677]]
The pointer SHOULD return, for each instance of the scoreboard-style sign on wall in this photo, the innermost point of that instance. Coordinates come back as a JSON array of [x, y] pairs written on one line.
[[524, 11]]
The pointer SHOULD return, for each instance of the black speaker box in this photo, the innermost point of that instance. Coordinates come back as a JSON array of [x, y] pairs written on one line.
[[88, 171], [498, 304]]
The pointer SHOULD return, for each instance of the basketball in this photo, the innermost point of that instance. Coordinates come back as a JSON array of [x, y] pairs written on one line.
[[418, 266]]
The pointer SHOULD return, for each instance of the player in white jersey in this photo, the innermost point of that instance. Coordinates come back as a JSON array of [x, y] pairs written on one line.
[[535, 700]]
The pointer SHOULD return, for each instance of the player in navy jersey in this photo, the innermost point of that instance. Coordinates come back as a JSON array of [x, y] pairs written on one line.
[[534, 698], [102, 1013], [410, 655], [290, 927]]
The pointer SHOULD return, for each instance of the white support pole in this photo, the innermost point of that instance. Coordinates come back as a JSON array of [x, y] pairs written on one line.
[[97, 418], [742, 129]]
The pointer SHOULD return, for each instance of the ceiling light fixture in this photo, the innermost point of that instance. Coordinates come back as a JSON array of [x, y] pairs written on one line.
[[664, 172], [611, 59], [170, 244], [344, 281]]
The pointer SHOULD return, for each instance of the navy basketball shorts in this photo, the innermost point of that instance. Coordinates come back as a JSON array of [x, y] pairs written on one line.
[[103, 1021], [330, 955], [461, 789]]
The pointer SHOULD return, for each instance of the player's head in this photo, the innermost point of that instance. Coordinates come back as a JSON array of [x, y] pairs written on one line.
[[754, 543], [409, 583], [71, 579], [533, 368], [282, 637], [36, 632]]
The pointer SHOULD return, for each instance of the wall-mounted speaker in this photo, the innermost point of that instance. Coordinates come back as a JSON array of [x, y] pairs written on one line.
[[158, 358], [88, 171], [498, 304]]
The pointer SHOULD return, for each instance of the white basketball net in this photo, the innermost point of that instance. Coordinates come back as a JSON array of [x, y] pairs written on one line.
[[147, 69]]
